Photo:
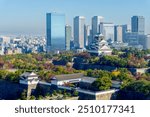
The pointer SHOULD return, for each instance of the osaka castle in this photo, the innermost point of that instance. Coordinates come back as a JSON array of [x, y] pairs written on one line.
[[99, 46]]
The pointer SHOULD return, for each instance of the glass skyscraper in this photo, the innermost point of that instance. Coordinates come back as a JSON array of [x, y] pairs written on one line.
[[55, 28], [138, 24]]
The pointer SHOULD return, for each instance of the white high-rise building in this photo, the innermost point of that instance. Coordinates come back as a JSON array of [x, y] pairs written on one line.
[[107, 29], [87, 35], [96, 21], [118, 33], [79, 33]]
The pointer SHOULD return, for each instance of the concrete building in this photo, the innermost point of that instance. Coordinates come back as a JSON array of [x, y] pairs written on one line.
[[146, 42], [96, 21], [68, 35], [79, 33], [1, 46], [119, 45], [87, 35], [135, 39], [107, 29], [118, 33], [138, 24], [55, 27]]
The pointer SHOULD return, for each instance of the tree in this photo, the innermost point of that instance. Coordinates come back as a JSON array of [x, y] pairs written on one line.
[[24, 95], [101, 84]]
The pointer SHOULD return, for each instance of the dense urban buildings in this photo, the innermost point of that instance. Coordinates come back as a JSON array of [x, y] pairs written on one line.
[[61, 37], [55, 27]]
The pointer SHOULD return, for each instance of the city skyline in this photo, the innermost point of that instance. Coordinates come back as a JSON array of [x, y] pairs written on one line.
[[28, 17]]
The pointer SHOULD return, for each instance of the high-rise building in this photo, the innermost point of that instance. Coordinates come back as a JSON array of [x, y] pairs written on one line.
[[1, 46], [96, 21], [68, 35], [55, 23], [125, 29], [107, 29], [86, 35], [138, 24], [79, 33], [147, 42], [120, 33]]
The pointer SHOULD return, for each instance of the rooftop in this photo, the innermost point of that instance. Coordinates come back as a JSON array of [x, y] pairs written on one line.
[[68, 76]]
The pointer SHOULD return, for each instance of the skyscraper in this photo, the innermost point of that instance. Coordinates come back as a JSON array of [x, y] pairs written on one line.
[[118, 33], [96, 20], [55, 31], [68, 34], [86, 35], [138, 24], [107, 29], [79, 33], [125, 29]]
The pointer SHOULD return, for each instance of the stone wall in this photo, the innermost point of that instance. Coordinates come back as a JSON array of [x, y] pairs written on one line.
[[9, 90], [102, 95]]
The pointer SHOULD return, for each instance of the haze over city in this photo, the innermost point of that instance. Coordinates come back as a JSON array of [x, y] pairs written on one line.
[[28, 16]]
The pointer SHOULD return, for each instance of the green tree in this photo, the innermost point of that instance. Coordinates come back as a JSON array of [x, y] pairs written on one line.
[[101, 84], [24, 95]]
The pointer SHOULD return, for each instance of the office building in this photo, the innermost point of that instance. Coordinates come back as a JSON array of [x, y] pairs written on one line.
[[135, 39], [68, 35], [1, 46], [145, 42], [79, 33], [138, 24], [118, 33], [96, 21], [107, 29], [86, 35], [55, 27]]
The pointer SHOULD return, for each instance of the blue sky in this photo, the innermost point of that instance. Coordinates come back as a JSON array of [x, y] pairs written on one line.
[[28, 16]]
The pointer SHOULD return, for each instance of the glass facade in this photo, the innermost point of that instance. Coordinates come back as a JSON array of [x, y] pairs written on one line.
[[138, 24], [55, 31]]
